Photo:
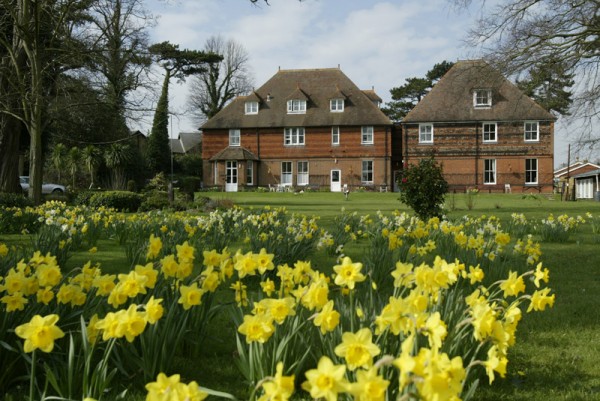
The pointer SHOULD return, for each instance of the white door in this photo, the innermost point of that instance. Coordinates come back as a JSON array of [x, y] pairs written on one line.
[[231, 176], [336, 181], [585, 188]]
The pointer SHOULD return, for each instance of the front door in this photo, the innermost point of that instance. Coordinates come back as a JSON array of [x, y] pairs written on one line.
[[336, 181], [231, 176]]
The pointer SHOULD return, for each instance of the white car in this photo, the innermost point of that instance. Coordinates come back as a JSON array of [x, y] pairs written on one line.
[[46, 188]]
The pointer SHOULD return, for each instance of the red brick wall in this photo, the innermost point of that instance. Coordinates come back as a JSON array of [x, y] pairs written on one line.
[[460, 149], [322, 156]]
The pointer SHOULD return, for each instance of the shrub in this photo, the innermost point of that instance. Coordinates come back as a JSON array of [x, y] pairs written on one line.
[[119, 200], [82, 198], [189, 185], [14, 200], [423, 188], [155, 200]]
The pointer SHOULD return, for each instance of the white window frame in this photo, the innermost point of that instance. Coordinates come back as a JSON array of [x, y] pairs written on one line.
[[287, 177], [296, 106], [251, 107], [302, 174], [235, 137], [367, 135], [336, 105], [249, 172], [530, 134], [293, 136], [531, 170], [487, 134], [482, 98], [489, 171], [216, 173], [335, 135], [366, 170], [426, 137]]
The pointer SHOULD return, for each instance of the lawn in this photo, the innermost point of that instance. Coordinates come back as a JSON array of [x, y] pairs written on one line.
[[557, 351]]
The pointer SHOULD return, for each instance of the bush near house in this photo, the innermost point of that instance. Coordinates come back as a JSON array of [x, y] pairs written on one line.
[[423, 188]]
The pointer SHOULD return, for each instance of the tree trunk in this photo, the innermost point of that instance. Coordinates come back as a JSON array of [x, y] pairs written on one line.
[[10, 129], [10, 132]]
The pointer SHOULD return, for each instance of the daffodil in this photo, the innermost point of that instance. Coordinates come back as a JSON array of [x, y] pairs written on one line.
[[540, 299], [348, 273], [257, 328], [513, 285], [495, 363], [154, 247], [154, 310], [369, 386], [326, 381], [357, 349], [40, 333], [327, 319], [279, 387], [190, 295]]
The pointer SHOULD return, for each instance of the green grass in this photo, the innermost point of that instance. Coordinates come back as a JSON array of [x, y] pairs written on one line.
[[557, 352]]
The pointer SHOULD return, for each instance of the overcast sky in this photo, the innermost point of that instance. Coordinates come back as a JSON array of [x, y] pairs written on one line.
[[377, 44]]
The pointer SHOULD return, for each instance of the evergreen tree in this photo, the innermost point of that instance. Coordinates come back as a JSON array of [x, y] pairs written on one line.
[[405, 97], [177, 64], [549, 84], [158, 154]]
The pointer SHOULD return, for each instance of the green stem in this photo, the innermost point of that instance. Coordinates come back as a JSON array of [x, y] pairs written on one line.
[[32, 378]]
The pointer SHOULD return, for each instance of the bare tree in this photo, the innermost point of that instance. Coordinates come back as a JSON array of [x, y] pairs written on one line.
[[222, 81], [36, 40], [520, 34], [118, 39]]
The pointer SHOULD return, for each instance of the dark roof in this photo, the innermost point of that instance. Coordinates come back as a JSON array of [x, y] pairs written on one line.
[[234, 153], [588, 174], [451, 99], [186, 141], [317, 86]]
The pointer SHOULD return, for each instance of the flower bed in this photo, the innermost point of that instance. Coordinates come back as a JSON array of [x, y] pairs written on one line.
[[431, 308]]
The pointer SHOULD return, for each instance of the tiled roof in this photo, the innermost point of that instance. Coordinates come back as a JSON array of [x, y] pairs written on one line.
[[451, 99], [588, 174], [234, 153], [317, 87], [186, 141]]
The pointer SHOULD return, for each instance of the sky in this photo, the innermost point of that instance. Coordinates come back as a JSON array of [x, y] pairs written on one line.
[[377, 44]]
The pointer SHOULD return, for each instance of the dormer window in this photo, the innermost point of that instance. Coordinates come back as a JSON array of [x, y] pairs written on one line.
[[296, 106], [482, 98], [336, 105], [252, 107]]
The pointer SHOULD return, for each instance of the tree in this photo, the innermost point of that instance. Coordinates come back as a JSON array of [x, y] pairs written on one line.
[[423, 188], [518, 35], [117, 156], [405, 97], [118, 56], [74, 162], [37, 42], [176, 64], [548, 84], [58, 158], [91, 158], [222, 81]]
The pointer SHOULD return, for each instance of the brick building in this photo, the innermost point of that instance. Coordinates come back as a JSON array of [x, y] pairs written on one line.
[[486, 133], [302, 128]]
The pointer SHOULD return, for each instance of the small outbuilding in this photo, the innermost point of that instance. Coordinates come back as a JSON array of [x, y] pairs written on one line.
[[587, 185]]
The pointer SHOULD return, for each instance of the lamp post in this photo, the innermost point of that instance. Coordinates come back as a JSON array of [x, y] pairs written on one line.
[[171, 191]]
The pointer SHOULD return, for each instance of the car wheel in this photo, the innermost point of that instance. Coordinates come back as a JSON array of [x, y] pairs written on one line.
[[57, 191]]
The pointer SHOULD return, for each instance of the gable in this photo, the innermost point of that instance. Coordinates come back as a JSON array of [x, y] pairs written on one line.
[[316, 86], [452, 99]]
